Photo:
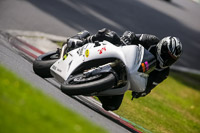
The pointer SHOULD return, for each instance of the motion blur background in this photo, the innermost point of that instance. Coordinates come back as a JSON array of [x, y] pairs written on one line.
[[178, 18]]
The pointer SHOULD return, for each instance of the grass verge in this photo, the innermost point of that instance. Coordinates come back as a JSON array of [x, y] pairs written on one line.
[[24, 109], [173, 106]]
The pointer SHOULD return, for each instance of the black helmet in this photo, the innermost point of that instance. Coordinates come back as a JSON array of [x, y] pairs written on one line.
[[169, 50]]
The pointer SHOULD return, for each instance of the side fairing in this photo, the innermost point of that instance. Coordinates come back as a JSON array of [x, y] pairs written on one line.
[[133, 60]]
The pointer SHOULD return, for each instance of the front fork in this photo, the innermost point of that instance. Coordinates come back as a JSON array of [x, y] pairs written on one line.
[[116, 67]]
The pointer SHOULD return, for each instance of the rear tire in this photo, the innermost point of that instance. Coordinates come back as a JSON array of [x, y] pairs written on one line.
[[102, 82], [42, 64]]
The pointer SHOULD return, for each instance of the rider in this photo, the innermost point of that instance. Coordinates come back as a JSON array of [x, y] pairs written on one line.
[[166, 51]]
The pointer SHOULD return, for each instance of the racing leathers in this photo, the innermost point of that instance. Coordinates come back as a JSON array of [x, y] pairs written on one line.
[[149, 42]]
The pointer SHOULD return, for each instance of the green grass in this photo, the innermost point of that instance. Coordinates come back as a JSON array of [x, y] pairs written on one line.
[[24, 109], [173, 106]]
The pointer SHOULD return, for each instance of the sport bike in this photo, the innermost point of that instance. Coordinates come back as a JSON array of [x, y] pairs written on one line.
[[99, 68]]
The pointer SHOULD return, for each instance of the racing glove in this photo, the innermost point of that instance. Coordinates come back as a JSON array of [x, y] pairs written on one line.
[[105, 34], [74, 43], [128, 37], [77, 40]]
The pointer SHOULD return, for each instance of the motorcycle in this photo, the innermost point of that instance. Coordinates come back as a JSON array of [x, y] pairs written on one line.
[[97, 69]]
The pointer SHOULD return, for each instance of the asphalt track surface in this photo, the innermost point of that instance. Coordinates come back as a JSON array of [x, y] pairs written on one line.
[[14, 60], [180, 18]]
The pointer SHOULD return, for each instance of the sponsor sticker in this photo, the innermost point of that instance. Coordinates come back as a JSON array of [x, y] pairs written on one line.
[[101, 50], [145, 66], [65, 56], [87, 53]]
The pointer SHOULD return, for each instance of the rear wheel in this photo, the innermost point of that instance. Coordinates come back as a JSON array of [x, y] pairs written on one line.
[[81, 85], [42, 64]]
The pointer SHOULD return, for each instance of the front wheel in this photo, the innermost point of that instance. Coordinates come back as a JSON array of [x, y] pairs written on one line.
[[81, 85], [42, 64]]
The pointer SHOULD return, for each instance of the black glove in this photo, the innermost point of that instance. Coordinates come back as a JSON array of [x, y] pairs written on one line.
[[74, 43], [128, 37], [108, 35], [138, 94], [77, 40]]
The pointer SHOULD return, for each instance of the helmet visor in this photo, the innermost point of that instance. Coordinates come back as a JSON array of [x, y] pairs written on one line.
[[168, 59]]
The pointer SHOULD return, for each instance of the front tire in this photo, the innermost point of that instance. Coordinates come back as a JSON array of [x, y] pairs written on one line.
[[77, 86], [42, 64]]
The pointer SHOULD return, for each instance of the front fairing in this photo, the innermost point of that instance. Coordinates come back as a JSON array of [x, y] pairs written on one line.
[[130, 55], [62, 68]]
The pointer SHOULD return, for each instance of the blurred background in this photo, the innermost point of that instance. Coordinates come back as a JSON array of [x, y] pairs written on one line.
[[180, 18]]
